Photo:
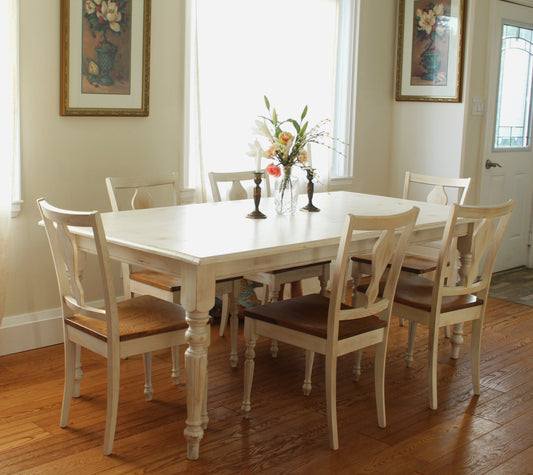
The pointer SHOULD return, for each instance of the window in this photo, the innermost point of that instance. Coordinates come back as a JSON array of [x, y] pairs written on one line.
[[297, 52], [513, 116]]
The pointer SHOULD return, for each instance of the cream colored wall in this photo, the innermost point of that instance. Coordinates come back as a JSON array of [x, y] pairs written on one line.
[[66, 159], [375, 80]]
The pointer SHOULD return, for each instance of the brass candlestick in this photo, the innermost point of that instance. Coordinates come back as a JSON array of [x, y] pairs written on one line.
[[256, 214], [310, 207]]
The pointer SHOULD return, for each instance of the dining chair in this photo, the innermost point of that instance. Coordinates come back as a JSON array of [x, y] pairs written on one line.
[[441, 302], [271, 281], [142, 193], [421, 259], [319, 324], [118, 330]]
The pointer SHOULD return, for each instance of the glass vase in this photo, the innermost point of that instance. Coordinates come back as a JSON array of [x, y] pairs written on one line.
[[286, 192]]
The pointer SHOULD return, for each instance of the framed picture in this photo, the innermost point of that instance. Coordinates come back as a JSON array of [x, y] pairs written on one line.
[[429, 64], [105, 57]]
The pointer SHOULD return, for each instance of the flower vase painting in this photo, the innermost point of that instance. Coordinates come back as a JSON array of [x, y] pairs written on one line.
[[429, 64], [105, 57], [431, 42], [106, 47]]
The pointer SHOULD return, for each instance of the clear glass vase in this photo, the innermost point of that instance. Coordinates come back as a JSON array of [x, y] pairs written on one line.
[[286, 192]]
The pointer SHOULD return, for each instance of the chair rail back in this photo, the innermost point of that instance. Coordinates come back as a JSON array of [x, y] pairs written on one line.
[[68, 262], [438, 194], [393, 235], [142, 189], [478, 248], [237, 190]]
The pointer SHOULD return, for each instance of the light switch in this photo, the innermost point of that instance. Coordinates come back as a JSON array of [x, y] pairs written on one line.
[[478, 106]]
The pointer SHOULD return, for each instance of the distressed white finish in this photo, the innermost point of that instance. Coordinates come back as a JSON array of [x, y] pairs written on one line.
[[271, 281], [69, 262], [141, 190], [394, 232], [478, 250], [180, 240]]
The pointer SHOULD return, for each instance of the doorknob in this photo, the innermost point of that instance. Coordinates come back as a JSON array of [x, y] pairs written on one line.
[[490, 164]]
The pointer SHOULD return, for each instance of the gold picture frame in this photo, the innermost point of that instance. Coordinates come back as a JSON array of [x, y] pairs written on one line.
[[105, 58], [429, 63]]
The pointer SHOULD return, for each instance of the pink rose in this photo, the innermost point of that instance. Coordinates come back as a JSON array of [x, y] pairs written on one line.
[[273, 150], [273, 170]]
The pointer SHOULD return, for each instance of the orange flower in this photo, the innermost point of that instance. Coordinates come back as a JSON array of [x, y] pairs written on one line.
[[285, 137], [273, 170], [302, 156]]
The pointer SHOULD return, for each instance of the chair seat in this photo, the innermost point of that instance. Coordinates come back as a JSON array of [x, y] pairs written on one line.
[[417, 291], [413, 263], [309, 314], [162, 281], [138, 317]]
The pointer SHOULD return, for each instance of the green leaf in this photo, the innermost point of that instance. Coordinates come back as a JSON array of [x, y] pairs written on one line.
[[267, 103], [274, 116], [296, 125], [304, 128], [304, 113]]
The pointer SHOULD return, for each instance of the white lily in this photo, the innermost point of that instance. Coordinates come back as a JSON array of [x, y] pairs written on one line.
[[262, 129], [255, 149]]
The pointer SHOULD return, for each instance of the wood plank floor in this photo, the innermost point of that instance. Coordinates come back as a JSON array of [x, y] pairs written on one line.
[[287, 432]]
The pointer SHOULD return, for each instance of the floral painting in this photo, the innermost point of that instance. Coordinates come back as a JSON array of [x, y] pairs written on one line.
[[429, 61], [431, 42], [106, 47]]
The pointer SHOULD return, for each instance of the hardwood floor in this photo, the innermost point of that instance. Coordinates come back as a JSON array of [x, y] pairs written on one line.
[[287, 432]]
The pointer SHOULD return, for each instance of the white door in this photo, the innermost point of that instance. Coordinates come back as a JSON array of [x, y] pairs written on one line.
[[508, 157]]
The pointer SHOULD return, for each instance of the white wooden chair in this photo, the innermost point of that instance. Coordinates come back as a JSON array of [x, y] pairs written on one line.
[[325, 325], [133, 326], [141, 192], [441, 302], [421, 259], [273, 280]]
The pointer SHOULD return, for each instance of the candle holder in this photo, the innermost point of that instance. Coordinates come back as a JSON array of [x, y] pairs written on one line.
[[310, 207], [256, 214]]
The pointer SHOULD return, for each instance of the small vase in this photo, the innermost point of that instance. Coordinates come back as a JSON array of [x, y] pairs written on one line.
[[106, 61], [286, 192], [431, 63]]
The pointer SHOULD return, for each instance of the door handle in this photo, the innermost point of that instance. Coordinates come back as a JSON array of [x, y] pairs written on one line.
[[490, 164]]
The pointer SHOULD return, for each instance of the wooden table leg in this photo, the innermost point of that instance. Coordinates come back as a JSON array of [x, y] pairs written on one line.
[[198, 297]]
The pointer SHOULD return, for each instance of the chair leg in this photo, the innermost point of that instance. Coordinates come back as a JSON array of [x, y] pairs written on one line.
[[476, 355], [356, 371], [224, 314], [234, 327], [410, 343], [331, 400], [379, 382], [433, 346], [249, 364], [78, 373], [309, 360], [148, 389], [70, 382], [175, 364], [113, 386], [274, 297]]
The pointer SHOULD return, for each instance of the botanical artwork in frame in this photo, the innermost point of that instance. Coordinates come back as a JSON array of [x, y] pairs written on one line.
[[430, 50], [105, 57]]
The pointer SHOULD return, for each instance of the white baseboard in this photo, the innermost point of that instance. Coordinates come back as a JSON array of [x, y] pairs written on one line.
[[33, 330], [30, 331]]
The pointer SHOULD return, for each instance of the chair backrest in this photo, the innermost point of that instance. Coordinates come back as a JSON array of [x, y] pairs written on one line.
[[477, 249], [237, 191], [394, 232], [68, 262], [142, 191], [438, 193]]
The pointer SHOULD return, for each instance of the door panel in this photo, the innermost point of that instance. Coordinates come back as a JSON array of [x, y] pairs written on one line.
[[514, 179]]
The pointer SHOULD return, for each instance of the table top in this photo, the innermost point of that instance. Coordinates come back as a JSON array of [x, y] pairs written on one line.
[[207, 233]]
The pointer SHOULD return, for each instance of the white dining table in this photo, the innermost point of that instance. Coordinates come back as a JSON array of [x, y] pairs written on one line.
[[209, 241]]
